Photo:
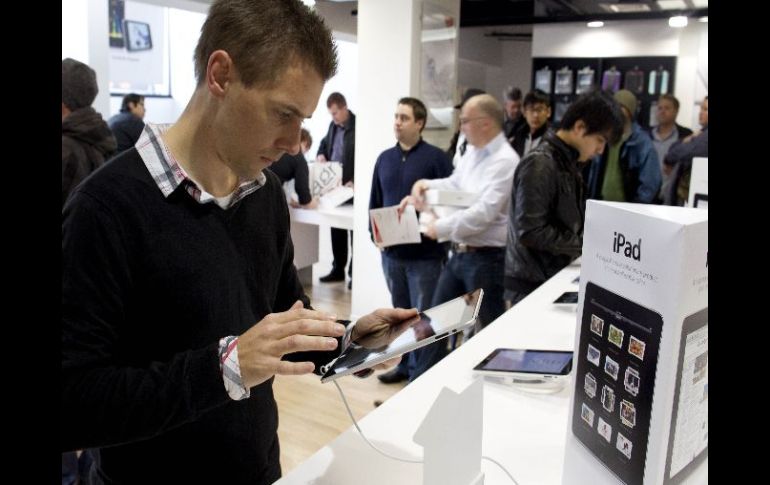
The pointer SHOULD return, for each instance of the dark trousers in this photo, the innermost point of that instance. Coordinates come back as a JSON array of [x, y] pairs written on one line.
[[411, 283], [340, 251], [467, 271]]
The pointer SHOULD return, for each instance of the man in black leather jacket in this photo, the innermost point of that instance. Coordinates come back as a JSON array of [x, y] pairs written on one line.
[[547, 210]]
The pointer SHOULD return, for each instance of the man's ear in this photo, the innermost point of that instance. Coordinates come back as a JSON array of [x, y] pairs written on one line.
[[219, 72], [580, 128]]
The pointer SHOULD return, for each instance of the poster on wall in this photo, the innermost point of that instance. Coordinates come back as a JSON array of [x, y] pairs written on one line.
[[139, 58], [439, 64]]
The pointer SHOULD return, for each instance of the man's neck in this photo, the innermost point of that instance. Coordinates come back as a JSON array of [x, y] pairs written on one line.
[[194, 149], [407, 145], [665, 130]]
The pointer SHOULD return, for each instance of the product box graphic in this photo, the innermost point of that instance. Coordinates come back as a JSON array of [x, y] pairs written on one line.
[[639, 409]]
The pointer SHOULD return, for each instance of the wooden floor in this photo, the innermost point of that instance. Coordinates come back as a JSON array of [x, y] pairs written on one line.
[[312, 414]]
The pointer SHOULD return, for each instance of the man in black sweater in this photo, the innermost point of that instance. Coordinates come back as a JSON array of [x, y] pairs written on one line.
[[180, 300]]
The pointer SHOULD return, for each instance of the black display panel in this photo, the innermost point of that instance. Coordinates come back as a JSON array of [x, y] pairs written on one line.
[[616, 364]]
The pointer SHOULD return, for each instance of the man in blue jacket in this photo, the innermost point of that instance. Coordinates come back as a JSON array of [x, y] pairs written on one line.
[[627, 171], [411, 270]]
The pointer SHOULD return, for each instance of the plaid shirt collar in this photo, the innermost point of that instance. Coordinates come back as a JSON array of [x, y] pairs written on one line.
[[169, 175]]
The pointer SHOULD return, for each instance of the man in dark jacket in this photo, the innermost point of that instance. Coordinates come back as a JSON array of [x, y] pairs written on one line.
[[546, 216], [678, 162], [129, 123], [667, 131], [537, 110], [513, 113], [86, 140], [339, 145]]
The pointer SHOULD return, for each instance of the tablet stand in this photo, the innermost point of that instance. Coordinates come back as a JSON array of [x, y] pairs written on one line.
[[451, 437]]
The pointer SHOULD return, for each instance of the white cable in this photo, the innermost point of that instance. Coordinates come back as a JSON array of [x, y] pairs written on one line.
[[501, 467], [355, 423]]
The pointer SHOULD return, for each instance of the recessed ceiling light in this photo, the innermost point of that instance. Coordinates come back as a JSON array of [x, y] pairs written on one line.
[[677, 22], [672, 4], [596, 23]]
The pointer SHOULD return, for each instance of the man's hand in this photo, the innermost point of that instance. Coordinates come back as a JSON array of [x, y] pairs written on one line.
[[261, 347], [430, 231], [320, 158], [313, 204], [380, 327], [408, 200], [418, 194]]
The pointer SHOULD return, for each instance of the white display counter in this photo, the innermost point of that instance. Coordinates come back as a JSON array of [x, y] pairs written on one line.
[[525, 432], [304, 234]]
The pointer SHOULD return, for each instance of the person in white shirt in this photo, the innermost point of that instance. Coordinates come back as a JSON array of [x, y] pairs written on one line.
[[478, 232]]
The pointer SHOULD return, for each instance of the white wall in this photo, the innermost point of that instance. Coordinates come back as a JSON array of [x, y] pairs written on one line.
[[85, 38], [633, 38], [516, 65], [184, 28], [385, 36], [491, 64], [74, 38]]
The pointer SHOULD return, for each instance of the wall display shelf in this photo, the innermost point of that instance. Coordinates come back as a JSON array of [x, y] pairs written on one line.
[[565, 78]]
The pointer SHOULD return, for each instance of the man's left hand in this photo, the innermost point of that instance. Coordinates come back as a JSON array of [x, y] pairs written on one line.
[[381, 326]]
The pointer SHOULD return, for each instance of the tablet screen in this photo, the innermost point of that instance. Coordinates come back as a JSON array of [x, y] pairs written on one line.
[[528, 361], [431, 325]]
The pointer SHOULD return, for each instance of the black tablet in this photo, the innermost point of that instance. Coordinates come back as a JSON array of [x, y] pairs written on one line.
[[526, 364], [429, 326], [567, 298]]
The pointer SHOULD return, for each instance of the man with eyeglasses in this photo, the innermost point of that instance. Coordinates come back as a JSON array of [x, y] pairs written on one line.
[[537, 111], [478, 232]]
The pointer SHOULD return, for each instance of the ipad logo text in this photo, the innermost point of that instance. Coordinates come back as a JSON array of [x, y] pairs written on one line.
[[619, 243]]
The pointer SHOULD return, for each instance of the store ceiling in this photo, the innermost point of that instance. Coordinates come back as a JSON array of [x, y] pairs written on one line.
[[476, 13], [480, 13]]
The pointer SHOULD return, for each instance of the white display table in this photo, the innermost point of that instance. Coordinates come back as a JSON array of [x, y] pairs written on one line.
[[525, 432], [304, 234]]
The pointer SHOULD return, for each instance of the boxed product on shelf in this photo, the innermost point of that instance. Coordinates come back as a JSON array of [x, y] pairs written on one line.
[[639, 411]]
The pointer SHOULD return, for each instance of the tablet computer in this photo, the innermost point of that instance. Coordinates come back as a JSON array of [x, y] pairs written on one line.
[[429, 326], [137, 35], [527, 365], [567, 298]]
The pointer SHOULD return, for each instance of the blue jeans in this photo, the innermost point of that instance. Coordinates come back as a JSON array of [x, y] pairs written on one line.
[[411, 283], [467, 271]]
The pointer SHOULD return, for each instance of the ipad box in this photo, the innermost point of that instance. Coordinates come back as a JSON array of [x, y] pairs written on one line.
[[454, 198], [639, 408]]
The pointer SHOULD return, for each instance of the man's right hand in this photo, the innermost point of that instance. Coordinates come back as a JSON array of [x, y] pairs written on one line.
[[261, 347], [320, 158], [418, 194]]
